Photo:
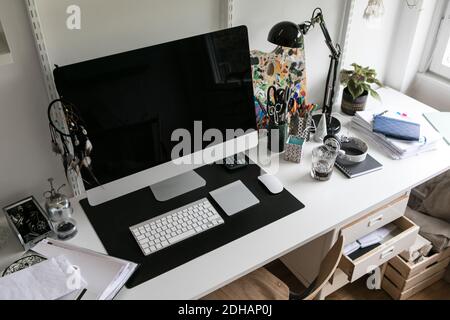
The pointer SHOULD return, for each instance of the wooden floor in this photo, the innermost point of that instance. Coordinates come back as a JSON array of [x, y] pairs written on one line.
[[358, 290]]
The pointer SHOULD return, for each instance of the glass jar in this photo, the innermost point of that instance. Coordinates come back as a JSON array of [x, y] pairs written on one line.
[[59, 211], [324, 157]]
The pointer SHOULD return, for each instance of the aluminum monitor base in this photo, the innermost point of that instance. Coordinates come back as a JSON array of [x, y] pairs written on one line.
[[177, 186]]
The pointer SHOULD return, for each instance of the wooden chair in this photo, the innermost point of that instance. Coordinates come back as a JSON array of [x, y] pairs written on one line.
[[263, 285]]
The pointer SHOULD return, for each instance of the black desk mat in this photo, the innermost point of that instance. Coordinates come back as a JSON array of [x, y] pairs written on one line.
[[111, 221]]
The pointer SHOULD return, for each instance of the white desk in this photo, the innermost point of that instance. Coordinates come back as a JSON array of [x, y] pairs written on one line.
[[329, 205]]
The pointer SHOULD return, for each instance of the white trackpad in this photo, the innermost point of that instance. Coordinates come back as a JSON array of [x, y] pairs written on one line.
[[234, 198]]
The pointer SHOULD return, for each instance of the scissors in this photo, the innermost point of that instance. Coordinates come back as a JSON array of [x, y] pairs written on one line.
[[276, 103]]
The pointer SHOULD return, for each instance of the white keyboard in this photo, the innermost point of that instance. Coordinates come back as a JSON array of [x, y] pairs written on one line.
[[175, 226]]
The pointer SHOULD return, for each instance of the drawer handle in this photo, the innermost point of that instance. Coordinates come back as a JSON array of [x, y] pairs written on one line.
[[376, 220], [387, 253]]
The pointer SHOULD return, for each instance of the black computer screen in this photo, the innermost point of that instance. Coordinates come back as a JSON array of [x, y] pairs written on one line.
[[133, 101]]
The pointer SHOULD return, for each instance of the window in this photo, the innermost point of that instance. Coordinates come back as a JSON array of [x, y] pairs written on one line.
[[446, 60], [440, 63]]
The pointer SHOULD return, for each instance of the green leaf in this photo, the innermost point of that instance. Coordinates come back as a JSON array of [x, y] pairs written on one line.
[[366, 87], [344, 79], [375, 94], [378, 82], [360, 80], [355, 89]]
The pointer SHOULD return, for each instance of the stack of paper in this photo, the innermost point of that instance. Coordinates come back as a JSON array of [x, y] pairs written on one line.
[[105, 275], [397, 149], [377, 236], [48, 280]]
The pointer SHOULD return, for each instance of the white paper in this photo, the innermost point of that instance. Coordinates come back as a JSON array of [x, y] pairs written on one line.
[[351, 247], [48, 280], [103, 273], [377, 236], [395, 148]]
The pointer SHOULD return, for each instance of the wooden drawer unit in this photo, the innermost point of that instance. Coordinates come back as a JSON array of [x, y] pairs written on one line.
[[402, 280], [355, 269], [408, 270], [375, 220]]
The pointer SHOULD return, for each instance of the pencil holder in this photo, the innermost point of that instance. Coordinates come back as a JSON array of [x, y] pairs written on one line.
[[277, 136], [301, 126], [293, 149], [305, 128]]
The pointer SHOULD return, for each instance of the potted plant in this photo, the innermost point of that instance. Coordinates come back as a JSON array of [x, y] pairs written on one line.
[[358, 85]]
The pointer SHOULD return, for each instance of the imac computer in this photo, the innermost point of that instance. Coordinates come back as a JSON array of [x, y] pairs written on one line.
[[149, 112]]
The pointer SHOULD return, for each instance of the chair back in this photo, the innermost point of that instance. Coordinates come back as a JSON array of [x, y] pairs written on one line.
[[327, 269]]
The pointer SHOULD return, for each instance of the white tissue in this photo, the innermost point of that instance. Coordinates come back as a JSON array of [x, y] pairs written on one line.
[[48, 280]]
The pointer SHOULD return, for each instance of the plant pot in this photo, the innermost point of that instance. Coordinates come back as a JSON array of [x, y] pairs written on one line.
[[350, 106]]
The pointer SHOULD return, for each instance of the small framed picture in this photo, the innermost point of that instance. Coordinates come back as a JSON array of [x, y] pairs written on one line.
[[28, 221]]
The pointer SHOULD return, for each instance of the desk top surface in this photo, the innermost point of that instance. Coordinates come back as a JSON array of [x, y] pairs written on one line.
[[328, 205]]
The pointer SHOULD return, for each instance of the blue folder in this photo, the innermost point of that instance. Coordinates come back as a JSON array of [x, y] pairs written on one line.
[[397, 129]]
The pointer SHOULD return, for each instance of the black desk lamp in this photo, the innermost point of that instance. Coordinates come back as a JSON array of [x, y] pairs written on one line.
[[291, 35]]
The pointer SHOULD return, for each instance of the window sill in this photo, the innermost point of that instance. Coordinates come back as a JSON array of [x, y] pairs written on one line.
[[430, 76], [432, 90]]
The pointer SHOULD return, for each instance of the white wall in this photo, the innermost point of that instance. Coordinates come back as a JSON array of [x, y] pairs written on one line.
[[373, 47], [25, 157], [410, 42], [112, 26], [261, 15]]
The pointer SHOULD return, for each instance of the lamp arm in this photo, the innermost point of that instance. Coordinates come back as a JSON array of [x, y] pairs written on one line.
[[334, 49], [317, 17]]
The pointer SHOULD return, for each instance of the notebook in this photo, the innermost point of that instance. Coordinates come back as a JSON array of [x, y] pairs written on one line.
[[359, 169]]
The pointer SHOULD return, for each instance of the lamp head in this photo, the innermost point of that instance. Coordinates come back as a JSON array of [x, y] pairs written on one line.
[[286, 34]]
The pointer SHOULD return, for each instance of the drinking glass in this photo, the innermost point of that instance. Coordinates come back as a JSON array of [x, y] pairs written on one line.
[[323, 159]]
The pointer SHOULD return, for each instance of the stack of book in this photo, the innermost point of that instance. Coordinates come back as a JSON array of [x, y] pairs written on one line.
[[394, 147]]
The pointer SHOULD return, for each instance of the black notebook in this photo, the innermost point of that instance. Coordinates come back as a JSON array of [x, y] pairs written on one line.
[[359, 169]]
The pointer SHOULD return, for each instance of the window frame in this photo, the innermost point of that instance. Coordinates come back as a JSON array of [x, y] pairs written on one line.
[[441, 45]]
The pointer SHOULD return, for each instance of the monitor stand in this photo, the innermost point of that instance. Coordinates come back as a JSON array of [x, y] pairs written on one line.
[[177, 186]]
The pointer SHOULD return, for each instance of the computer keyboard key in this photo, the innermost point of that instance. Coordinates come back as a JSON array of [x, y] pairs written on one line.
[[182, 236], [175, 226]]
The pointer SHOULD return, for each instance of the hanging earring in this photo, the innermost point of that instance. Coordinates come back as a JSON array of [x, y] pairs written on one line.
[[88, 147], [55, 146]]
